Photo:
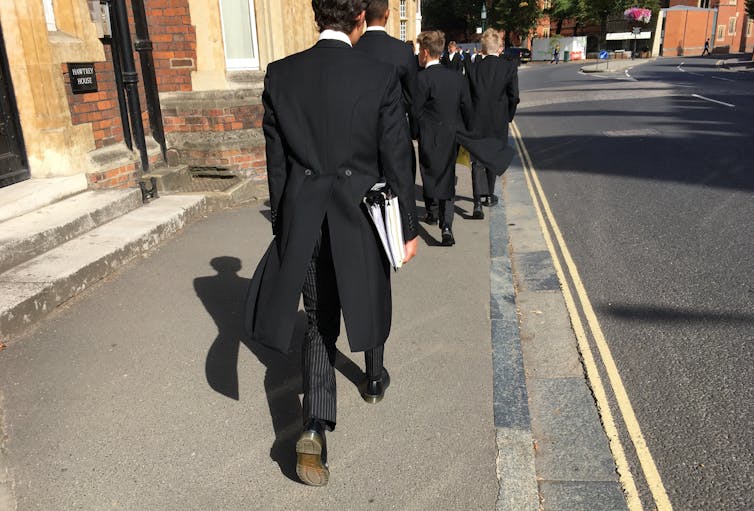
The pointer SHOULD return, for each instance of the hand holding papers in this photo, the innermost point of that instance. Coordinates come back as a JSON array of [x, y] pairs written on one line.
[[385, 213]]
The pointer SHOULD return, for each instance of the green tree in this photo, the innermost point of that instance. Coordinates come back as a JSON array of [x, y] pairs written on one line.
[[601, 10], [563, 10], [452, 16], [516, 17]]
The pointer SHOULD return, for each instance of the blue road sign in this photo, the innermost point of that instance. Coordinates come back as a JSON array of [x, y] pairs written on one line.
[[603, 54]]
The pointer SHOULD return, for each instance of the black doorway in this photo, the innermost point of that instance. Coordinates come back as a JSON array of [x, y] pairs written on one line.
[[13, 164]]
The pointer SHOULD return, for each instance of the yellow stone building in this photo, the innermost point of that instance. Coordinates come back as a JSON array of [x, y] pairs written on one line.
[[200, 46]]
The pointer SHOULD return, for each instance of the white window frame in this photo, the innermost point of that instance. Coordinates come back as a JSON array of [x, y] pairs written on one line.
[[749, 28], [236, 64], [720, 32], [732, 25], [402, 10], [404, 33], [49, 15]]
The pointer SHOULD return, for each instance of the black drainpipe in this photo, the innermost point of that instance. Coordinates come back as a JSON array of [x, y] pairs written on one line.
[[122, 107], [119, 19], [144, 47]]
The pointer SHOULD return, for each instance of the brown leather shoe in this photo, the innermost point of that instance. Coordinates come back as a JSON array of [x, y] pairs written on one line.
[[311, 455]]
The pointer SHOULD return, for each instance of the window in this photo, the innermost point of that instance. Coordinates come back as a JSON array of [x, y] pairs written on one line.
[[720, 32], [49, 15], [403, 30], [403, 9], [732, 26], [749, 28], [547, 4], [239, 34]]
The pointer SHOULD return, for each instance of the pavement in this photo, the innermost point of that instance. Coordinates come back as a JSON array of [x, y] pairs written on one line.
[[142, 392], [733, 62]]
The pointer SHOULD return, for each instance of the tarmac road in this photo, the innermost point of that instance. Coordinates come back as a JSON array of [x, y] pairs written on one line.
[[650, 177]]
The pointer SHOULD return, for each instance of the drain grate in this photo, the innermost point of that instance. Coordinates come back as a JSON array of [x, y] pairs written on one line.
[[211, 183]]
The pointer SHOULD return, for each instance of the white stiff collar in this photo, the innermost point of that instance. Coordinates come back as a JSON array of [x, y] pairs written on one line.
[[334, 35]]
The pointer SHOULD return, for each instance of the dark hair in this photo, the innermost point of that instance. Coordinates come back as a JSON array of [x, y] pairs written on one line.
[[337, 15], [376, 10]]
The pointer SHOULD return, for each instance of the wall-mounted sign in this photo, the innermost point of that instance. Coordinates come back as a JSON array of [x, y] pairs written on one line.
[[83, 77]]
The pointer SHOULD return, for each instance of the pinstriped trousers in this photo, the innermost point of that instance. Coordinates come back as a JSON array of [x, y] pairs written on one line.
[[322, 306]]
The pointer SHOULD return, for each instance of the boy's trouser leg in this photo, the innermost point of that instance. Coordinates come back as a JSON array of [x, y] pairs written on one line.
[[479, 181], [447, 211], [322, 305], [374, 361]]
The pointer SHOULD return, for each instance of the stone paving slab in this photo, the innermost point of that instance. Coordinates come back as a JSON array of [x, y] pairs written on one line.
[[549, 346], [570, 442], [582, 496]]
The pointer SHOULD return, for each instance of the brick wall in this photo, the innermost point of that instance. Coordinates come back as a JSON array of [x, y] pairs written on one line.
[[98, 108], [213, 118], [686, 31], [219, 129], [174, 43], [101, 108]]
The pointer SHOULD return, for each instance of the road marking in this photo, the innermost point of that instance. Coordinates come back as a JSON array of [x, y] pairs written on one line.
[[721, 78], [714, 101], [651, 474], [680, 68], [641, 132]]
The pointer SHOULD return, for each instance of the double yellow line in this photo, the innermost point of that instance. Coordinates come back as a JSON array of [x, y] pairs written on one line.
[[547, 223]]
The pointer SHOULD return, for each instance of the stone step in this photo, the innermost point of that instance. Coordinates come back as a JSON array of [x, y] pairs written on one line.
[[221, 188], [25, 237], [244, 191], [32, 289], [26, 196]]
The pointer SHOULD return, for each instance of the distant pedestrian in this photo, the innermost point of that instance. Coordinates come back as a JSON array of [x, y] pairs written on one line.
[[706, 48], [453, 59], [555, 55]]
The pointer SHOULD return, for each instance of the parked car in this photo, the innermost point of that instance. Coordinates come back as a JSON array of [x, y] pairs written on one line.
[[522, 55]]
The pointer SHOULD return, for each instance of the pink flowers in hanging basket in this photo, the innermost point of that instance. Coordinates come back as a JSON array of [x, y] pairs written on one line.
[[638, 14]]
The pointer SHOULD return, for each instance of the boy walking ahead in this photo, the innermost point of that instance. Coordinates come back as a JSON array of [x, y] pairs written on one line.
[[442, 109]]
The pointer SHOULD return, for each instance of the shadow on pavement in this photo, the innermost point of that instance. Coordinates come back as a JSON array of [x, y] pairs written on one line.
[[224, 296]]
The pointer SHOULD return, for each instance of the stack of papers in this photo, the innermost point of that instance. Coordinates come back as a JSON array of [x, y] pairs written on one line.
[[385, 213]]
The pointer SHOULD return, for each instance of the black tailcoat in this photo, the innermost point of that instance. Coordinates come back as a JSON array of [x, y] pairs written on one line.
[[456, 63], [334, 125], [493, 84], [443, 109], [390, 50]]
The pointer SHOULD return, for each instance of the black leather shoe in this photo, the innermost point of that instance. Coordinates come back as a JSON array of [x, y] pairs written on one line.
[[430, 219], [477, 214], [374, 390], [447, 237], [491, 200], [311, 455]]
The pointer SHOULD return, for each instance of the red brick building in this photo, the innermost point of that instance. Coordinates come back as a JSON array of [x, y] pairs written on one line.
[[688, 24]]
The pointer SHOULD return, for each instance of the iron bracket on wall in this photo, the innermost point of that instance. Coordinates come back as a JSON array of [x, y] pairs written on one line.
[[149, 194]]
